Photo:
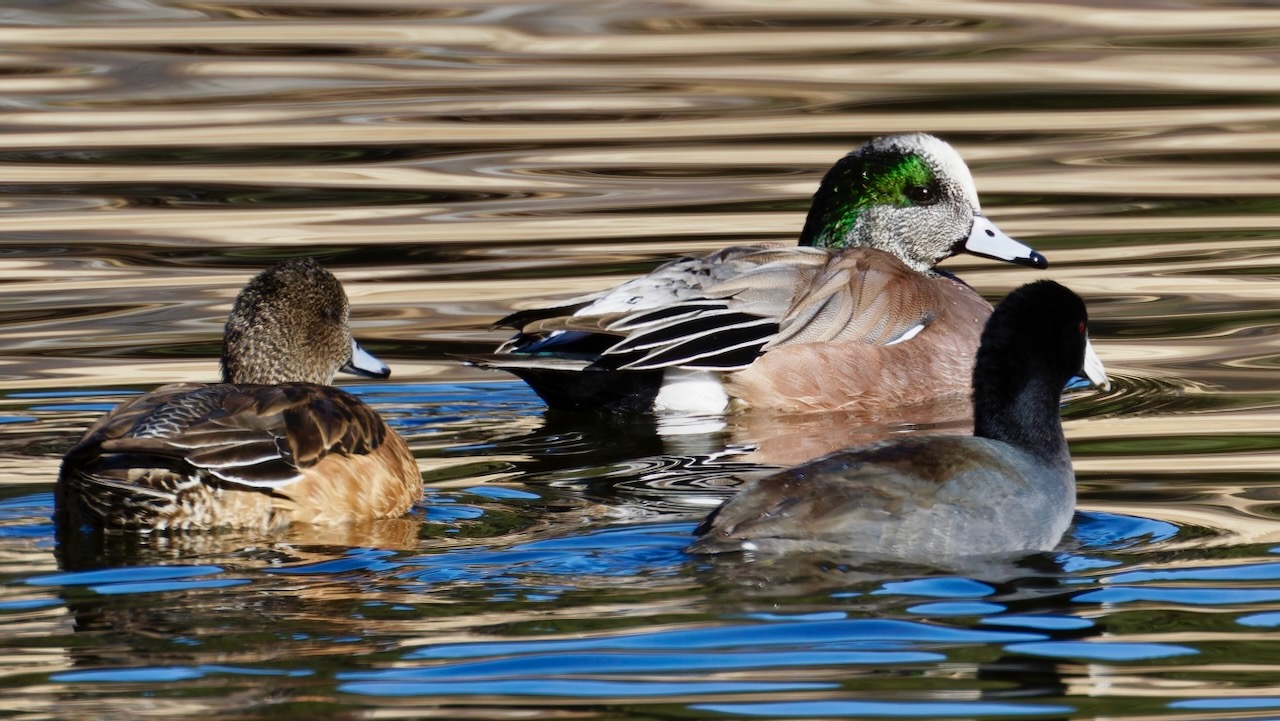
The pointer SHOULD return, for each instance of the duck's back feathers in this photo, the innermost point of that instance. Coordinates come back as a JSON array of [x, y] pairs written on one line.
[[861, 296], [200, 456], [678, 296], [801, 312]]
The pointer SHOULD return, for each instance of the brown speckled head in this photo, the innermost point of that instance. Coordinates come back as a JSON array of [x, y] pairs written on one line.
[[289, 324]]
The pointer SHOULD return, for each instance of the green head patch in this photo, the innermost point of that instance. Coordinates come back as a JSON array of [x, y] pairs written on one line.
[[860, 181]]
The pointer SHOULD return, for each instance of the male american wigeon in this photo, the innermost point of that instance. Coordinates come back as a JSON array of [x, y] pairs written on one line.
[[1008, 488], [855, 317], [272, 444]]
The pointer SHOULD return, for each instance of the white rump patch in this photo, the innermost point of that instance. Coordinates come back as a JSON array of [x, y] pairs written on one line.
[[691, 391]]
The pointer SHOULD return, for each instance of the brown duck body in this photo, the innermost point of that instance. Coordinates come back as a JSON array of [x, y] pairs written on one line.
[[857, 316], [867, 333], [271, 445], [189, 456], [791, 329]]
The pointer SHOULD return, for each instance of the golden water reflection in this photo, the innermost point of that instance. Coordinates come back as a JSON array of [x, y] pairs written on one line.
[[454, 163]]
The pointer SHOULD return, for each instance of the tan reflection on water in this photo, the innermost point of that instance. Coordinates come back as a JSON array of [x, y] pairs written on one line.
[[453, 163]]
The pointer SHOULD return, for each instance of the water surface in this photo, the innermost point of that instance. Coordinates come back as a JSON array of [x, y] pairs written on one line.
[[452, 163]]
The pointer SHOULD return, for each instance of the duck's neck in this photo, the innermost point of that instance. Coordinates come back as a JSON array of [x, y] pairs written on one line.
[[830, 227], [268, 364], [1028, 418], [836, 206]]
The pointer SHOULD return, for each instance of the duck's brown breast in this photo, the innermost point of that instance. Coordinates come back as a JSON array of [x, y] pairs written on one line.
[[859, 370]]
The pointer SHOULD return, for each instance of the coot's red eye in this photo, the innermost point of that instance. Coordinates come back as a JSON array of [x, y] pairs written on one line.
[[1081, 329]]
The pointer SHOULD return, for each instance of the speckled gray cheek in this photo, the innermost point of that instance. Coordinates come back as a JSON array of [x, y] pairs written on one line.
[[919, 236]]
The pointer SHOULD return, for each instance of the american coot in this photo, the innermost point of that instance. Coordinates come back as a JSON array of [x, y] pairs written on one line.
[[1008, 488]]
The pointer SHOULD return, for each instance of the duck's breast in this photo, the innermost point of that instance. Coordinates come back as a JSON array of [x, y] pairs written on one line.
[[869, 335]]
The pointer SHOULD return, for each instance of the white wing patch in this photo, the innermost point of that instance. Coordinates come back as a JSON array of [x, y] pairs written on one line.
[[910, 333]]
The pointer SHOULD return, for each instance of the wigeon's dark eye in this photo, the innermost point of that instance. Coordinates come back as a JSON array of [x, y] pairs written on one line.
[[922, 194]]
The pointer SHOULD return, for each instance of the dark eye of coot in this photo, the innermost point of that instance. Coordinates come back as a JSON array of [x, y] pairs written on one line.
[[923, 194]]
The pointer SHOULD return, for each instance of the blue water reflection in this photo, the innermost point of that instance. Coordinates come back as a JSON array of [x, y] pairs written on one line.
[[454, 162], [887, 709], [578, 688]]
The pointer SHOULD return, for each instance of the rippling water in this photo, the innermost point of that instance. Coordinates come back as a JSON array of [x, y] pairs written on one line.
[[454, 162]]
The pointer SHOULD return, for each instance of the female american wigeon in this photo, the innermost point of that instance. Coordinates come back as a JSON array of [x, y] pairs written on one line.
[[1008, 488], [855, 317], [272, 444]]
